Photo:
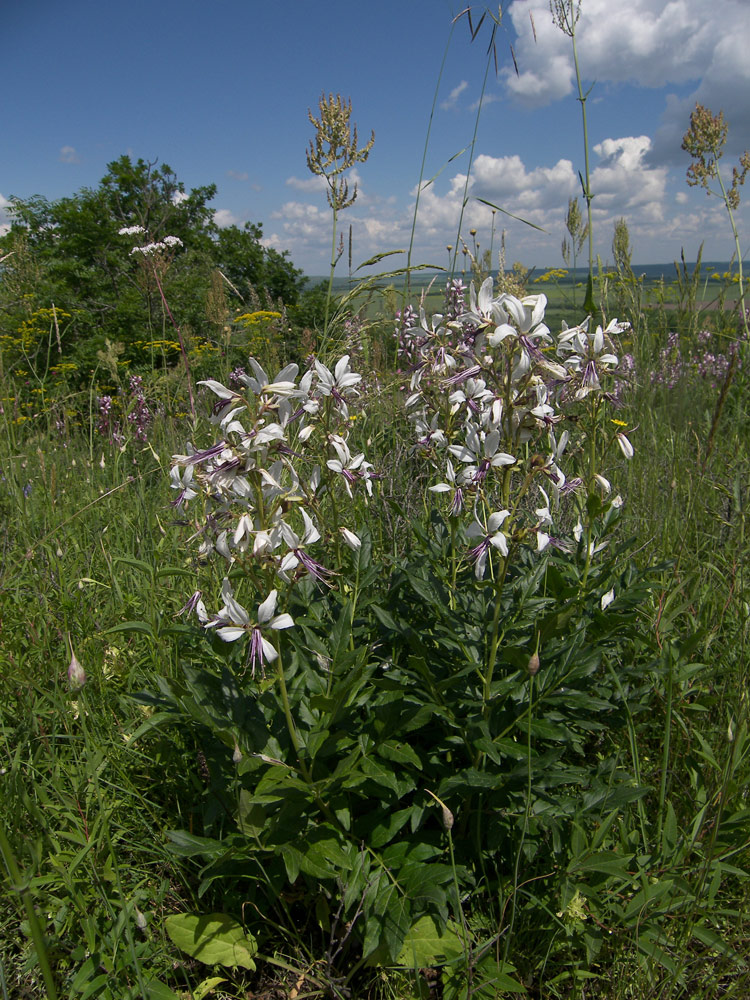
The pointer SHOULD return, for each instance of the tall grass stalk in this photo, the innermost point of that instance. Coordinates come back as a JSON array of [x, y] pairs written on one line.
[[565, 14]]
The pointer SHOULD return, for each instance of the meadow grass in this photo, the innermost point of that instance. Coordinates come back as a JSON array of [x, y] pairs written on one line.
[[94, 561], [438, 741]]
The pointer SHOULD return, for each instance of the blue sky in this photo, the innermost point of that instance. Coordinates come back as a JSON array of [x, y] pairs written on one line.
[[220, 91]]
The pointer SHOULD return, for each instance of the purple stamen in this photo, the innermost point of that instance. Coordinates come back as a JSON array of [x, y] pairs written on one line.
[[204, 456]]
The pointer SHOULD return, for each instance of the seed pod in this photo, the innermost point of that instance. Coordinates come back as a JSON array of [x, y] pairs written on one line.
[[533, 665]]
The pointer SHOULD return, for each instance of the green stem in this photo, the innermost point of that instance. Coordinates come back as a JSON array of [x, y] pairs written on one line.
[[37, 935], [292, 729], [495, 637], [329, 293], [738, 251], [590, 486], [667, 744], [588, 303], [407, 283], [526, 815], [182, 343]]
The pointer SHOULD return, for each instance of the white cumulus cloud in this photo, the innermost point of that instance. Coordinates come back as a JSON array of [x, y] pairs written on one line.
[[224, 218], [649, 43], [454, 95], [4, 217]]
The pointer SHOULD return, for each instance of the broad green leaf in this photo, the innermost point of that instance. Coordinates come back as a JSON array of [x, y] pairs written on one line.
[[157, 990], [425, 945], [189, 845], [139, 564], [214, 939]]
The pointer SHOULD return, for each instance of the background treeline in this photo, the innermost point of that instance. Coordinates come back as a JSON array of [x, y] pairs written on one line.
[[70, 284]]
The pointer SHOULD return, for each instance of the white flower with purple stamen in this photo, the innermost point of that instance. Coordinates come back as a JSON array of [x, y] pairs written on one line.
[[233, 622], [491, 535], [297, 555], [455, 486], [481, 451], [183, 483], [351, 468], [338, 383]]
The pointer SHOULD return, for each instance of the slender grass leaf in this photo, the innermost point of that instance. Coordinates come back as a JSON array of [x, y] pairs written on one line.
[[143, 627], [518, 218]]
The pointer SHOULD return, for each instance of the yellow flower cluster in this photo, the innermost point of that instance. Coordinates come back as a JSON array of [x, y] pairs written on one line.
[[31, 331], [203, 349], [554, 274], [158, 345], [259, 326], [257, 318]]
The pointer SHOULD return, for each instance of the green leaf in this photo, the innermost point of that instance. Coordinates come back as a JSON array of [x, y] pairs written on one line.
[[189, 845], [377, 258], [385, 617], [214, 939], [318, 854], [143, 627], [425, 945], [606, 862], [206, 986], [519, 218], [157, 990], [139, 564]]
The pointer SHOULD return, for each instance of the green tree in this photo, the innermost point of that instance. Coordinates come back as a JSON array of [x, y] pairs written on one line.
[[70, 252]]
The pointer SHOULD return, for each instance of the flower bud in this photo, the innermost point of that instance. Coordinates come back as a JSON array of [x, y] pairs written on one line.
[[76, 673], [447, 818], [533, 665]]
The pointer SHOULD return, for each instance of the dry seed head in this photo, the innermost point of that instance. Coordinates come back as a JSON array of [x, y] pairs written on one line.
[[335, 148]]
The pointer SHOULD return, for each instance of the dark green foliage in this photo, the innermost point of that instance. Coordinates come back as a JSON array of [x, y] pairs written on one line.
[[69, 252]]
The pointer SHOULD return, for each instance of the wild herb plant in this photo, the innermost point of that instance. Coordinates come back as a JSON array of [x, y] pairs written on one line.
[[705, 141], [334, 150], [578, 231]]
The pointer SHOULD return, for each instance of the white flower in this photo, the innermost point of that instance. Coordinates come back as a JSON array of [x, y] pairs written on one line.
[[342, 380], [282, 385], [183, 483], [238, 624], [625, 446], [491, 535], [351, 468], [481, 450], [607, 599], [131, 230], [588, 354], [353, 541]]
